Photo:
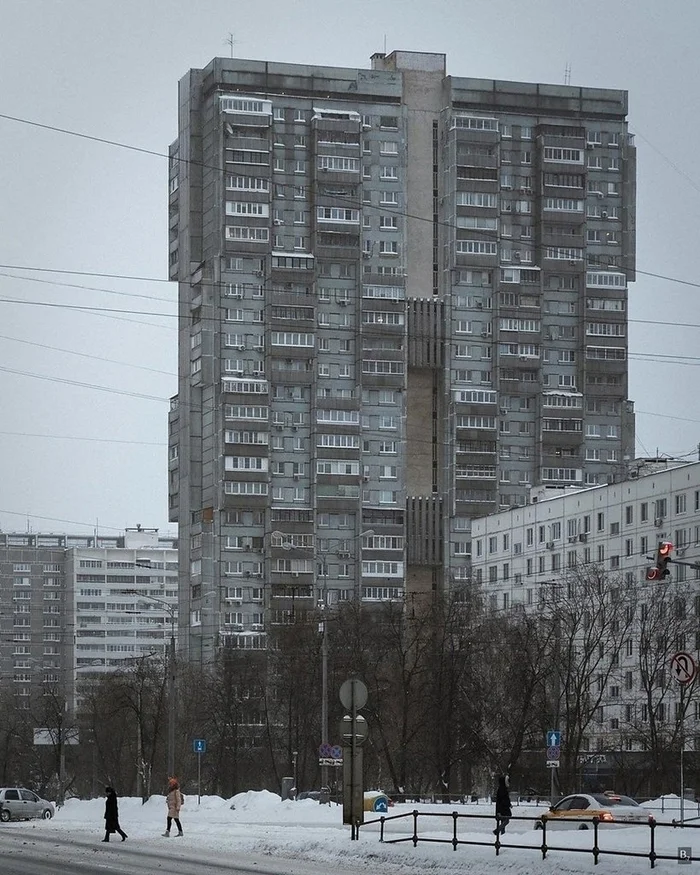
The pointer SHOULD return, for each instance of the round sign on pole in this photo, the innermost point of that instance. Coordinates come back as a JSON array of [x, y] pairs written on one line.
[[359, 729], [353, 691], [683, 667]]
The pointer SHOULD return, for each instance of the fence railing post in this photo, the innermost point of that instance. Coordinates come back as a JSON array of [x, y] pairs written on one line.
[[596, 849], [544, 836], [415, 827], [454, 830]]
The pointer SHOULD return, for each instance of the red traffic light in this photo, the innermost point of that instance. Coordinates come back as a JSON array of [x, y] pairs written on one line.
[[660, 570]]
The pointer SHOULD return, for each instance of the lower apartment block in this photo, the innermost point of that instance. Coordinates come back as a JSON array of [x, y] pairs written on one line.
[[579, 559]]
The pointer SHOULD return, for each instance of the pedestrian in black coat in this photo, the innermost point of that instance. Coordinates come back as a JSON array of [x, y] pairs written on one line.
[[504, 812], [112, 815]]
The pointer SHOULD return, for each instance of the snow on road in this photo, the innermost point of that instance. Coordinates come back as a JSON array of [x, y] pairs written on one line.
[[258, 825]]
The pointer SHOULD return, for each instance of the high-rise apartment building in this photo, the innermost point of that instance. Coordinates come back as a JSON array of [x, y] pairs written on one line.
[[402, 302]]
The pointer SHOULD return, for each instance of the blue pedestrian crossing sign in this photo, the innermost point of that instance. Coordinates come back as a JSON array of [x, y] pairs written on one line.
[[199, 745], [553, 738]]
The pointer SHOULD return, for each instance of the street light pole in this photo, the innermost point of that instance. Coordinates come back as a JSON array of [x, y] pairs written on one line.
[[171, 699], [171, 675], [324, 667], [286, 544]]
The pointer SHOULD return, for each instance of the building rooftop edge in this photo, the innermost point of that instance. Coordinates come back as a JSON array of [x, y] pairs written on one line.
[[252, 66]]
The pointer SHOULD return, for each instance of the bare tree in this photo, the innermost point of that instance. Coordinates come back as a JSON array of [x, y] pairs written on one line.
[[515, 672], [589, 626], [664, 625], [386, 647]]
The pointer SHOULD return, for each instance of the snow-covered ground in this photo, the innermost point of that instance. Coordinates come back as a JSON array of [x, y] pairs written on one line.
[[260, 824]]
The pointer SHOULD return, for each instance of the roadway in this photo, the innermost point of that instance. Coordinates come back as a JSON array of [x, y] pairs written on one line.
[[25, 851]]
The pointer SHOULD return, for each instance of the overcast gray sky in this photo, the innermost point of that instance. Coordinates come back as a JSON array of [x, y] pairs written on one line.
[[72, 456]]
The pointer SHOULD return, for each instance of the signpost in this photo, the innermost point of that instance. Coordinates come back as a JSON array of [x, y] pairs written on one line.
[[553, 740], [199, 746], [353, 730], [684, 670]]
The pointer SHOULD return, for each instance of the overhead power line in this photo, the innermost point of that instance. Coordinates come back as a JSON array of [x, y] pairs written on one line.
[[68, 437], [218, 168]]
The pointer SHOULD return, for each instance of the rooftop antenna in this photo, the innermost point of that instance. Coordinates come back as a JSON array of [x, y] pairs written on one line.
[[567, 74], [232, 42]]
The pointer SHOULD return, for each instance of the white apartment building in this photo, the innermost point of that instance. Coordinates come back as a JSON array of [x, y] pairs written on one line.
[[73, 607], [520, 557], [124, 603]]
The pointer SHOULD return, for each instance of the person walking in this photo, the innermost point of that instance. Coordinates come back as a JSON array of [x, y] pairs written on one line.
[[504, 811], [174, 801], [112, 815]]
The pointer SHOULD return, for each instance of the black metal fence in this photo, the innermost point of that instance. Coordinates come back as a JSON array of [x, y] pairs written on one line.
[[455, 840]]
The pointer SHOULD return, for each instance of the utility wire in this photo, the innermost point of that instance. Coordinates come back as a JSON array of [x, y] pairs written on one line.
[[223, 306], [84, 385], [90, 526], [36, 279], [67, 437], [218, 168], [87, 356]]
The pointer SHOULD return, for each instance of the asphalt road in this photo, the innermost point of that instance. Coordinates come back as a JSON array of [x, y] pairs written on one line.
[[23, 851]]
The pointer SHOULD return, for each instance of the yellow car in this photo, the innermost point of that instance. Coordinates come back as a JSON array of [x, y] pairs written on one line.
[[577, 811]]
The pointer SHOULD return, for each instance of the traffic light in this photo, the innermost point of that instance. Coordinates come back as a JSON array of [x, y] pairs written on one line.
[[660, 570]]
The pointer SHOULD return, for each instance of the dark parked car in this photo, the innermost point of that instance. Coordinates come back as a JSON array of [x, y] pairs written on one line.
[[18, 803]]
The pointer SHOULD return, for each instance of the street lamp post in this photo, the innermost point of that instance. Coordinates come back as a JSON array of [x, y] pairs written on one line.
[[171, 698], [324, 668], [171, 675], [323, 629]]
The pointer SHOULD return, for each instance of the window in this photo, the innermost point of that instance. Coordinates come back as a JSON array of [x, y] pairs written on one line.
[[251, 234], [476, 123], [338, 164], [337, 214], [477, 247], [570, 156]]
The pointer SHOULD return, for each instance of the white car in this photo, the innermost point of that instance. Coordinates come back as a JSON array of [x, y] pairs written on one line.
[[18, 803], [578, 810]]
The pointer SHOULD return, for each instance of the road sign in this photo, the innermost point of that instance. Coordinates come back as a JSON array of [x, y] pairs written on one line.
[[330, 761], [683, 667], [337, 752], [199, 745], [353, 693], [552, 764], [324, 749], [553, 753], [553, 738], [359, 729]]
